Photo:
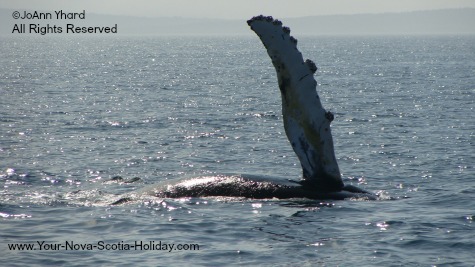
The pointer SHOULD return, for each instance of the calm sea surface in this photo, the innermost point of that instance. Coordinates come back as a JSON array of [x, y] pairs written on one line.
[[77, 111]]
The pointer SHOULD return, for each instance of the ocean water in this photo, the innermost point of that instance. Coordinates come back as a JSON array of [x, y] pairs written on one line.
[[75, 112]]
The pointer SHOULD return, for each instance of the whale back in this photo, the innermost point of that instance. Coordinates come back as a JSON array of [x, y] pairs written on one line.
[[306, 122]]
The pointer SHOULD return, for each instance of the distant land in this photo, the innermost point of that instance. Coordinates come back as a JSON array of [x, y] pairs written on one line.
[[434, 22]]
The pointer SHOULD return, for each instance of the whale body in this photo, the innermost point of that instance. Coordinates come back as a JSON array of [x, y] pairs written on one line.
[[252, 186], [307, 126]]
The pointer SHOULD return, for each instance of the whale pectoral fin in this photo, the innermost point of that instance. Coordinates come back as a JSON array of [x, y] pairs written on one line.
[[306, 122]]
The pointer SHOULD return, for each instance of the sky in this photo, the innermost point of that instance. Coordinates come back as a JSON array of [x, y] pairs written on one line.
[[236, 9]]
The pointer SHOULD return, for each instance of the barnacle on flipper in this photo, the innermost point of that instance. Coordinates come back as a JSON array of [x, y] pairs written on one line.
[[311, 65], [329, 115], [286, 29], [277, 22], [293, 40]]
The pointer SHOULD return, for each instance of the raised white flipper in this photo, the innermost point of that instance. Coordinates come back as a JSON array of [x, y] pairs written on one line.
[[306, 122]]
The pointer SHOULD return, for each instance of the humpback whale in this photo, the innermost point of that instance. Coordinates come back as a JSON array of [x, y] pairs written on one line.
[[307, 126]]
